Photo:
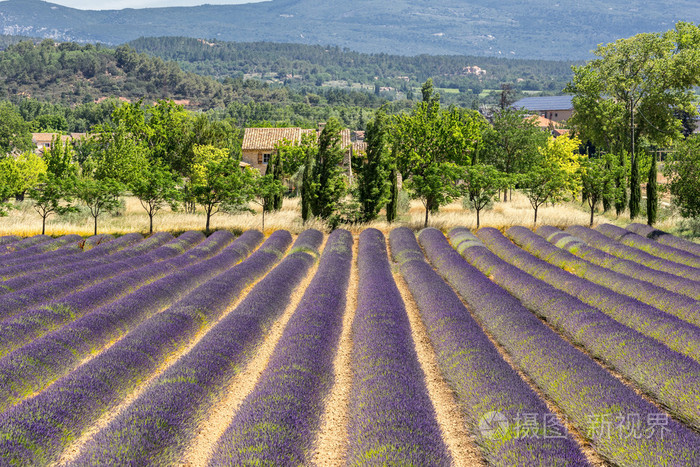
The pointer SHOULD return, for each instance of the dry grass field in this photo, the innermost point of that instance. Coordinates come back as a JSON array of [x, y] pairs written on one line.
[[25, 221]]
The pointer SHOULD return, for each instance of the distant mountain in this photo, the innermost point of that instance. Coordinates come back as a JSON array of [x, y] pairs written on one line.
[[540, 29]]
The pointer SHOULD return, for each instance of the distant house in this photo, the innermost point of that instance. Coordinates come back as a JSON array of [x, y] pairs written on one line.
[[550, 126], [556, 108], [45, 140], [259, 144]]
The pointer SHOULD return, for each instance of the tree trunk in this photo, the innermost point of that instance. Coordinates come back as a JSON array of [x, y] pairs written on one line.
[[592, 209], [477, 218], [206, 230], [635, 189], [393, 204], [427, 210], [43, 225], [536, 207], [95, 225], [652, 193], [150, 217]]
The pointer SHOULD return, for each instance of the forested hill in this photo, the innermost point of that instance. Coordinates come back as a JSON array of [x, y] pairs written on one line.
[[70, 73], [315, 65], [565, 29]]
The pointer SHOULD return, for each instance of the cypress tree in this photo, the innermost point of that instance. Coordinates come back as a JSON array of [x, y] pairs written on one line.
[[652, 192], [307, 191], [328, 176], [277, 174], [372, 174], [635, 189], [392, 206], [621, 188]]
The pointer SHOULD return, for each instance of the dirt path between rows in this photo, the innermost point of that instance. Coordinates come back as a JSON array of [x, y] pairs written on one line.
[[75, 449], [584, 445], [241, 385], [460, 442], [331, 444]]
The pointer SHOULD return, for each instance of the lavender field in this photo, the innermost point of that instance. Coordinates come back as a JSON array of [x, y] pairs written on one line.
[[517, 348]]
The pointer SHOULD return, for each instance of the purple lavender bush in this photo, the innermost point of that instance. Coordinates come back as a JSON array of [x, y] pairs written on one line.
[[672, 303], [392, 419], [37, 252], [276, 422], [673, 331], [34, 366], [665, 238], [40, 286], [569, 242], [667, 375], [7, 239], [60, 413], [650, 246], [31, 324], [158, 426], [615, 248], [23, 243], [463, 352], [623, 427]]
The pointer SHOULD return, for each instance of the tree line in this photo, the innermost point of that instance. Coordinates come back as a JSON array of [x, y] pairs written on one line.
[[634, 98]]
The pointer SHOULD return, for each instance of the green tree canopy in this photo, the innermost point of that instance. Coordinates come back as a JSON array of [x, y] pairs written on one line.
[[635, 90], [431, 145], [555, 174]]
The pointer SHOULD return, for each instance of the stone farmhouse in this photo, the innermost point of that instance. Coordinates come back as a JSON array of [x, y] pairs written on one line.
[[259, 144], [44, 140]]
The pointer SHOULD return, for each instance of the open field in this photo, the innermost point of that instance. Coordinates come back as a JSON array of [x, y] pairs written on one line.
[[553, 347], [24, 221]]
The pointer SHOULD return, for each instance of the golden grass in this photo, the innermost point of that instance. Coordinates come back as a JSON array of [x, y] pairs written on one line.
[[25, 221]]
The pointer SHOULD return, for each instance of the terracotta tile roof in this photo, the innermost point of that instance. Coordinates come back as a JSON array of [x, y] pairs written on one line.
[[542, 122], [47, 138], [43, 137], [266, 138]]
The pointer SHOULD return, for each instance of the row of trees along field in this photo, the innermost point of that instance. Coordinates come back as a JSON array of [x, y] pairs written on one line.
[[165, 155], [629, 101]]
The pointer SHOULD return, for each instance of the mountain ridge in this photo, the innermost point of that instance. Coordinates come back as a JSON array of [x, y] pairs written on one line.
[[535, 29]]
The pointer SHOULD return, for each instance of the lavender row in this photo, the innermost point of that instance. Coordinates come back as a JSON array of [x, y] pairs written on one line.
[[672, 303], [463, 352], [39, 429], [94, 240], [589, 396], [603, 242], [31, 368], [163, 420], [275, 423], [570, 242], [20, 265], [670, 377], [126, 247], [37, 289], [650, 246], [52, 245], [673, 331], [7, 239], [392, 419], [665, 238], [31, 324], [23, 243]]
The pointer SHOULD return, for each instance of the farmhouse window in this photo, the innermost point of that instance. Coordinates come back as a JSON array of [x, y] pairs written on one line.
[[266, 158]]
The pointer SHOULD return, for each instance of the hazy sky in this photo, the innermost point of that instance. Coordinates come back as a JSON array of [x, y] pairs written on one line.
[[119, 4]]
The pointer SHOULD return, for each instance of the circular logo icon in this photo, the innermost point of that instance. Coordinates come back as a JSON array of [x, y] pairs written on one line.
[[493, 424]]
